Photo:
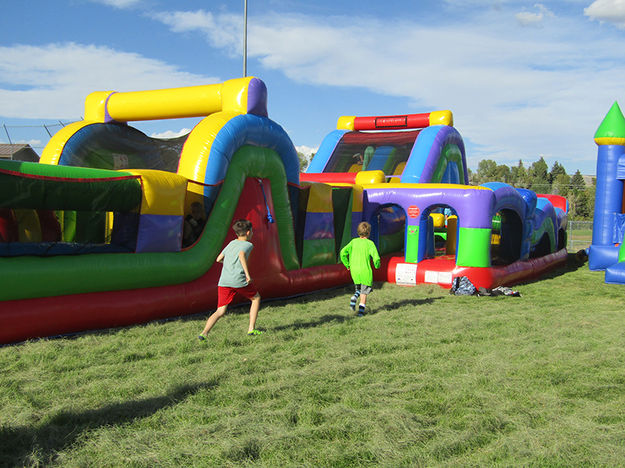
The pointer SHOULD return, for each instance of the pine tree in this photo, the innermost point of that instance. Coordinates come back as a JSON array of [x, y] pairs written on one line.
[[577, 182], [561, 184], [539, 181], [582, 205], [518, 175], [556, 170]]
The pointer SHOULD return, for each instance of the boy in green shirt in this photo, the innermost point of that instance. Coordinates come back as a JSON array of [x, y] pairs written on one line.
[[356, 257]]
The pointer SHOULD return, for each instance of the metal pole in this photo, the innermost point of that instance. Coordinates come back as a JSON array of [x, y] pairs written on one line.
[[7, 132], [245, 39]]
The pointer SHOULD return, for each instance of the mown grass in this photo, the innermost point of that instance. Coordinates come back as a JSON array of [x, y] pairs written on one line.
[[429, 379], [578, 238]]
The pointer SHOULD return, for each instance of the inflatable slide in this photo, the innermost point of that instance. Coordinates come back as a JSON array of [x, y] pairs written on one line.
[[97, 235], [494, 234]]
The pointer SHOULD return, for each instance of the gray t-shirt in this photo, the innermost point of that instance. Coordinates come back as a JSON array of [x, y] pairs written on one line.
[[232, 274]]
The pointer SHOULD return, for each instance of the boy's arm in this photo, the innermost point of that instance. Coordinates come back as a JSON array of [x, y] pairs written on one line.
[[375, 255], [220, 257], [345, 255], [243, 261]]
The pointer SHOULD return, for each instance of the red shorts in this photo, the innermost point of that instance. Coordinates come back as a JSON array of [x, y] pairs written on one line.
[[225, 294]]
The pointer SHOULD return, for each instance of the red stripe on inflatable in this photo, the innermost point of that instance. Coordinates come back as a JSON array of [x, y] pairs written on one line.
[[557, 201], [392, 122], [480, 277], [33, 318], [330, 177], [41, 317]]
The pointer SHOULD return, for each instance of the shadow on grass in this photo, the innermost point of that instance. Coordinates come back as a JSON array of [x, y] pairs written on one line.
[[350, 315], [313, 323], [573, 263], [409, 302], [18, 445], [312, 296]]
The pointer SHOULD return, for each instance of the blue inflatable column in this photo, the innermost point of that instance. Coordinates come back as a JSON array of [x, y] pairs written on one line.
[[610, 137]]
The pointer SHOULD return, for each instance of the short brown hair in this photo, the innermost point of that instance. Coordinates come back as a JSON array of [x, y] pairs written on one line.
[[241, 227], [364, 229]]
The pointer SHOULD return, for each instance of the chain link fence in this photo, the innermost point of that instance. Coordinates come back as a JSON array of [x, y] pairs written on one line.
[[37, 136], [579, 235]]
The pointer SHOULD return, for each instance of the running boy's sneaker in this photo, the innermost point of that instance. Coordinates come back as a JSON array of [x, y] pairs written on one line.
[[254, 332]]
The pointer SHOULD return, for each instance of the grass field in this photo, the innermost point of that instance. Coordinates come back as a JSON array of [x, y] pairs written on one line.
[[579, 235], [429, 379]]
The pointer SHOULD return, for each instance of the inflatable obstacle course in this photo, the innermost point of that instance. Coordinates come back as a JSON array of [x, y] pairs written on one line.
[[117, 201]]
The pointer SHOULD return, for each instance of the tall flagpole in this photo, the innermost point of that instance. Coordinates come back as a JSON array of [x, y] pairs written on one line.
[[245, 39]]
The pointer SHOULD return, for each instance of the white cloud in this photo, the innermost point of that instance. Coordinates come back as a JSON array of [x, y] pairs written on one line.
[[306, 150], [121, 4], [52, 81], [514, 94], [611, 11], [222, 30], [171, 134], [526, 18]]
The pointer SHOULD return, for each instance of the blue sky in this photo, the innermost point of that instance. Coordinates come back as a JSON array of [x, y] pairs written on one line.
[[523, 79]]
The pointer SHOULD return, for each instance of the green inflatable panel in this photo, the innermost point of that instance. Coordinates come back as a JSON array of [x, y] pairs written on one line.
[[30, 277], [51, 187]]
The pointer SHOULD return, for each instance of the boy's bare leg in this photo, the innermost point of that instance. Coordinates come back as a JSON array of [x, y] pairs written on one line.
[[213, 319], [254, 312], [362, 305], [363, 299]]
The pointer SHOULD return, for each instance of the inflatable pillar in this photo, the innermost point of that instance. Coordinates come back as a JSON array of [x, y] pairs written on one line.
[[608, 217]]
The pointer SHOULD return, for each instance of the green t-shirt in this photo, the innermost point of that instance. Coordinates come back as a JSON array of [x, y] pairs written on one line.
[[232, 274], [357, 256]]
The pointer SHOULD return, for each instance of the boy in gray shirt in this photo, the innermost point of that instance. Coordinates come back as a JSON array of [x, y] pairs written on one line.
[[235, 278]]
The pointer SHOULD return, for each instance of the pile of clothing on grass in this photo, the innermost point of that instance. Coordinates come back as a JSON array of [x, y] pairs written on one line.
[[462, 286]]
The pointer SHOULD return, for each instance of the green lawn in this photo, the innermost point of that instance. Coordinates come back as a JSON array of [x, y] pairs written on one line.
[[429, 379], [579, 239]]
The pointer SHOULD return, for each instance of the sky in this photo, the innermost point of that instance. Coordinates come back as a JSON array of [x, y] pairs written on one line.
[[524, 80]]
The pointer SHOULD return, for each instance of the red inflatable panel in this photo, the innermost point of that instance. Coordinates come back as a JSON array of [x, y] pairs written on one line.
[[8, 226], [50, 227], [557, 201], [330, 177], [392, 122], [444, 269]]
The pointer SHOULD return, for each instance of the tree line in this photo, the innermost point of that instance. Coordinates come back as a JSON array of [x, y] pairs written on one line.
[[540, 179]]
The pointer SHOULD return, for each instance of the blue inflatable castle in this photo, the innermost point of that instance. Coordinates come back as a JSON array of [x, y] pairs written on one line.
[[607, 251]]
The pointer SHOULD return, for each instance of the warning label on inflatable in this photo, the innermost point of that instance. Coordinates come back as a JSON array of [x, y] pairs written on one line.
[[413, 211], [437, 277], [406, 274]]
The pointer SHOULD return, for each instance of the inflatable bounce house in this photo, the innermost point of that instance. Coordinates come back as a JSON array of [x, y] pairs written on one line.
[[113, 227], [607, 251]]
